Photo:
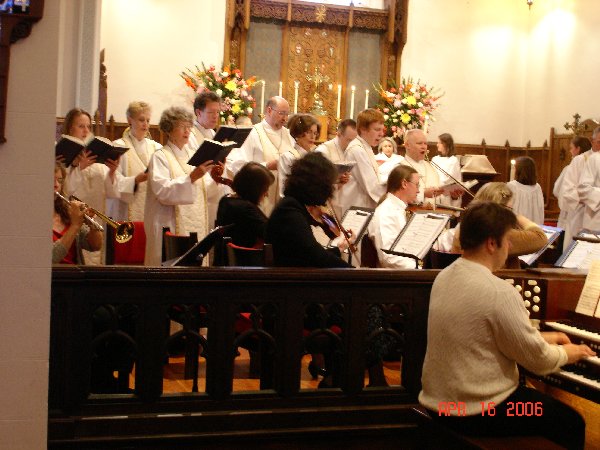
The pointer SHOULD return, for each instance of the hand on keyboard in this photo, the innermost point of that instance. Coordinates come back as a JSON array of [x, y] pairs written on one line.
[[576, 352]]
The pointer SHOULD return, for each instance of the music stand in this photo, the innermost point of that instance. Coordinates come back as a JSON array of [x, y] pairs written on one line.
[[195, 255]]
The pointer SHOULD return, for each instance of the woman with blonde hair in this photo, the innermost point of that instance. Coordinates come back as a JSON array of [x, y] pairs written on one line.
[[388, 157], [527, 238]]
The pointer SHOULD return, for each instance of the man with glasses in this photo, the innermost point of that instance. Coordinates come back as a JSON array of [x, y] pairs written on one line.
[[589, 185], [575, 200], [207, 107], [266, 142]]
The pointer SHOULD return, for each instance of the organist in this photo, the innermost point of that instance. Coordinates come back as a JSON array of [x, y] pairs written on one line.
[[478, 331]]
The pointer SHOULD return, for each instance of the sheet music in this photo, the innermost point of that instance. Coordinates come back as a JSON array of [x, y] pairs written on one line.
[[552, 233], [356, 220], [588, 300], [582, 255], [420, 233]]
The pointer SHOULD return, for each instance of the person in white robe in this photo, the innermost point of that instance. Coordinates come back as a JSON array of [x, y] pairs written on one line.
[[528, 199], [390, 216], [577, 146], [176, 196], [207, 107], [589, 192], [267, 141], [364, 187], [448, 169], [569, 196], [90, 182], [388, 157], [133, 165], [335, 151], [415, 142]]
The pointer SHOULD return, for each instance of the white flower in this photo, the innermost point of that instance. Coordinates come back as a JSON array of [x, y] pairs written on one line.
[[397, 103], [224, 74], [219, 92], [386, 117], [249, 110], [420, 105]]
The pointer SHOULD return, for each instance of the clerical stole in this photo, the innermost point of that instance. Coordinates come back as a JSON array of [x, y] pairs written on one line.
[[271, 151], [334, 153], [137, 162], [192, 217]]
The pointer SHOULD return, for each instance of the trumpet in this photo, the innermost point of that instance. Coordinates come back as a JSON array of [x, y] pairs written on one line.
[[123, 231]]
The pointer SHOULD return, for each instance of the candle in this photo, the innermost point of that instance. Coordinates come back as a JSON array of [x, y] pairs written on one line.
[[281, 88], [353, 88], [296, 86], [366, 99], [339, 103], [425, 124], [262, 98], [512, 169]]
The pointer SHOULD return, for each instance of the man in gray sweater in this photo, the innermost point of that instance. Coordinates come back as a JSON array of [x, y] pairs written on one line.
[[478, 331]]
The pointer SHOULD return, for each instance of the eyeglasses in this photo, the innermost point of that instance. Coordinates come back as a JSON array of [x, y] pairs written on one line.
[[184, 126], [412, 182], [281, 113]]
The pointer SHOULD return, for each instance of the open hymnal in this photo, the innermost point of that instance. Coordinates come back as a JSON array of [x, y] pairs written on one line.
[[453, 186], [418, 235], [344, 166], [231, 133], [589, 303], [356, 219], [580, 254], [552, 233], [217, 149], [69, 147]]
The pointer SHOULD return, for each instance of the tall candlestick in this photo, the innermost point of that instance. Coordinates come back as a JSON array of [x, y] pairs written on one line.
[[339, 102], [425, 124], [366, 99], [281, 88], [352, 89], [296, 86], [512, 169], [262, 98]]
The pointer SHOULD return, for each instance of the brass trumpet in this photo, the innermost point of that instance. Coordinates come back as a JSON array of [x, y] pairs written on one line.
[[123, 231]]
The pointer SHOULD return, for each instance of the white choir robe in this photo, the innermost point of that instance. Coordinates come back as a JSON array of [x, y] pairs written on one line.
[[284, 165], [428, 177], [556, 191], [451, 165], [589, 192], [164, 194], [364, 188], [387, 223], [262, 145], [130, 206], [388, 165], [569, 197], [333, 151], [214, 191], [528, 201]]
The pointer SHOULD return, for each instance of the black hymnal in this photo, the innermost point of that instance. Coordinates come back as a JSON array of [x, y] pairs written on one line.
[[69, 147], [227, 133], [211, 150]]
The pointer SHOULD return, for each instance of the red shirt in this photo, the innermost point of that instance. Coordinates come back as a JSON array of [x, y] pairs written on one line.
[[71, 257]]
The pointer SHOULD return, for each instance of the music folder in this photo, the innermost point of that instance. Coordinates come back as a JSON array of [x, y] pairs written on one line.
[[418, 235], [69, 147], [580, 254], [195, 255], [357, 220], [552, 233], [229, 133]]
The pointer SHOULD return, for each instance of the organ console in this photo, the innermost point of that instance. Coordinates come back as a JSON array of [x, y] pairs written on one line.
[[550, 297]]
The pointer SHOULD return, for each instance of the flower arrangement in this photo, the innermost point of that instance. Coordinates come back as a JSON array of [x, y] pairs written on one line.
[[228, 84], [407, 106]]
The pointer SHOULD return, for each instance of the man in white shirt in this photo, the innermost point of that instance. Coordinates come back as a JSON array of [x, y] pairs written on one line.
[[589, 186], [207, 106], [478, 331], [390, 216], [415, 142], [265, 143]]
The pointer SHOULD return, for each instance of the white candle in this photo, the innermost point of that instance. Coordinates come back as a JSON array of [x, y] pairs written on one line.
[[352, 89], [512, 169], [262, 98], [366, 99], [425, 124], [296, 86], [339, 103], [281, 88]]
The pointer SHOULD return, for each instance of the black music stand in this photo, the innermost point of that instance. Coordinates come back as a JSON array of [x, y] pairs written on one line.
[[195, 255]]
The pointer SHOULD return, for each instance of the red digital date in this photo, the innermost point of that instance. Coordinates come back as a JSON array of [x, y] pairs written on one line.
[[514, 409]]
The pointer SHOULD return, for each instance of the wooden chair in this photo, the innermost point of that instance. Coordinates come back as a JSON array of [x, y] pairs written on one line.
[[129, 253], [249, 256], [441, 260], [368, 253], [175, 245]]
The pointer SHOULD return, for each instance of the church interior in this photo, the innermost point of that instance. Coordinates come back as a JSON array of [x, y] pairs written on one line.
[[514, 78]]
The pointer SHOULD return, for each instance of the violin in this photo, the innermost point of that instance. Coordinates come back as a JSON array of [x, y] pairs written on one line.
[[329, 223], [216, 173]]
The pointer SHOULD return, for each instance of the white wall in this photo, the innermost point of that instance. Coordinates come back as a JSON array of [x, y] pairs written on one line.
[[508, 72], [149, 42], [26, 174]]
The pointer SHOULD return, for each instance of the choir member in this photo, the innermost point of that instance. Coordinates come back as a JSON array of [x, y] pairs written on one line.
[[176, 196], [390, 215], [450, 166], [478, 331], [70, 234], [266, 142], [388, 157], [526, 238], [528, 199], [133, 165], [304, 128]]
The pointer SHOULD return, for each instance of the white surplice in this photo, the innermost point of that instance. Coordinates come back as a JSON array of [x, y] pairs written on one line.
[[284, 165], [387, 223], [450, 165], [172, 200], [528, 201], [364, 188], [132, 200], [388, 165], [589, 192], [556, 191], [333, 151]]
